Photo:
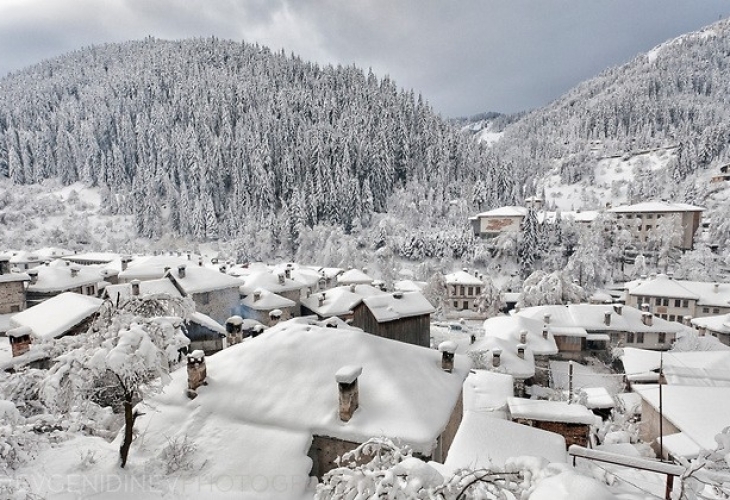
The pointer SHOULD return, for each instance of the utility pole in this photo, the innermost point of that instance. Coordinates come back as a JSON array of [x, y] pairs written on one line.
[[661, 412], [570, 381]]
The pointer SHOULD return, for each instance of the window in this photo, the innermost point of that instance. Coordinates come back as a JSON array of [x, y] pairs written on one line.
[[204, 298], [671, 317], [658, 301], [716, 310], [461, 290], [648, 227], [665, 302], [466, 304], [630, 337], [685, 303], [456, 304], [661, 337], [705, 309], [677, 303], [89, 290], [663, 316], [479, 290], [650, 216], [15, 308], [640, 338], [471, 291]]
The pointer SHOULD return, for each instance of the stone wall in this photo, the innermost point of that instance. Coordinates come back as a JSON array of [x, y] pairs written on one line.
[[12, 297], [573, 433]]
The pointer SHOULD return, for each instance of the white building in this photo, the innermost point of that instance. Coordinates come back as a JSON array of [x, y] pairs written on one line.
[[642, 219]]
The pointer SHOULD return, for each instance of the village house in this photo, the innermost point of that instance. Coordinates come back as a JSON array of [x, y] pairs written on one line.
[[642, 219], [355, 277], [403, 316], [722, 175], [280, 284], [215, 293], [501, 355], [342, 387], [717, 326], [695, 368], [678, 300], [572, 421], [506, 220], [268, 308], [24, 260], [12, 292], [150, 267], [340, 301], [463, 289], [60, 276], [65, 314]]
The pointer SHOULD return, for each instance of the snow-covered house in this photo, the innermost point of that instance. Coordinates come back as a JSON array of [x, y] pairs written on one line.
[[497, 221], [268, 308], [722, 175], [205, 334], [717, 326], [12, 292], [68, 313], [24, 260], [280, 283], [215, 294], [644, 218], [463, 289], [673, 300], [504, 356], [150, 267], [340, 301], [290, 423], [61, 276], [355, 277], [572, 421], [403, 316], [124, 291], [690, 417], [694, 368]]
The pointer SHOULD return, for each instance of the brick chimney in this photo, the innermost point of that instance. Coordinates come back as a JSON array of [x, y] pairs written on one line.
[[234, 332], [196, 372], [20, 340], [521, 351], [496, 357], [647, 318], [135, 287], [607, 318], [181, 271], [349, 393], [447, 348], [523, 336]]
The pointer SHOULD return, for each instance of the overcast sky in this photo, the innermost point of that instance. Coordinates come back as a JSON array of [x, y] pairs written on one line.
[[464, 56]]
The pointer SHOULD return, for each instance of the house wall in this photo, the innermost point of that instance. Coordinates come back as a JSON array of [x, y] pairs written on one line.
[[34, 298], [446, 439], [462, 297], [262, 316], [573, 433], [218, 304], [414, 330], [12, 297], [324, 451], [649, 428], [570, 343], [491, 226], [203, 338], [666, 308]]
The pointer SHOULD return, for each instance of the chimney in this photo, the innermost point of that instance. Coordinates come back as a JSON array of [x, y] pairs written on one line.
[[521, 351], [544, 331], [281, 279], [465, 269], [645, 307], [618, 308], [222, 268], [701, 331], [353, 287], [349, 399], [523, 336], [200, 261], [33, 273], [716, 287], [135, 287], [20, 340], [687, 320], [331, 323], [647, 318], [447, 348], [196, 372], [320, 299], [181, 271], [496, 357], [125, 262], [256, 295], [476, 273], [397, 295], [607, 318], [74, 271], [364, 270], [546, 319], [167, 270], [234, 332], [274, 316], [287, 273], [258, 330]]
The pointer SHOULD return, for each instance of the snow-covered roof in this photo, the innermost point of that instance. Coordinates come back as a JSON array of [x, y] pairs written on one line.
[[592, 318], [698, 412], [392, 306], [720, 324], [693, 368], [340, 300], [354, 277], [662, 286], [148, 267], [267, 301], [409, 285], [91, 257], [60, 275], [598, 398], [462, 278], [267, 281], [55, 316], [510, 328], [550, 411], [198, 279], [509, 361], [25, 257], [207, 321], [508, 211], [53, 252], [7, 278], [403, 391], [706, 293], [487, 392], [483, 441], [123, 291], [654, 207]]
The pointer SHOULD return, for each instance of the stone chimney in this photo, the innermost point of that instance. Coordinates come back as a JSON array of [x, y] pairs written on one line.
[[287, 273], [274, 316], [33, 273], [135, 287], [256, 295], [607, 318], [447, 348], [645, 307], [716, 287], [496, 357], [20, 340], [687, 320], [258, 330], [196, 372], [349, 399], [701, 331], [397, 295], [234, 332], [320, 299], [281, 278], [521, 351], [618, 308], [544, 331], [647, 318], [353, 287], [523, 336], [125, 262], [181, 271], [75, 271], [546, 319]]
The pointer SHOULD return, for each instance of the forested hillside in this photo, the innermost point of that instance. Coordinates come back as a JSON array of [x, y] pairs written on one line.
[[209, 138]]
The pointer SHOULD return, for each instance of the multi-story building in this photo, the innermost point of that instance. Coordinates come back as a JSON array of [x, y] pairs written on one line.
[[642, 219]]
